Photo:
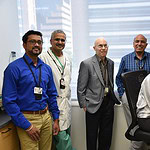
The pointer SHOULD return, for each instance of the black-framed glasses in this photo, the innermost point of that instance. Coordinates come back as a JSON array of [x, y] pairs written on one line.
[[33, 42]]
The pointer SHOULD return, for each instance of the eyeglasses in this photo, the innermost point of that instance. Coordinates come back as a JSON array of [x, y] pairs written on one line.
[[33, 42], [62, 40]]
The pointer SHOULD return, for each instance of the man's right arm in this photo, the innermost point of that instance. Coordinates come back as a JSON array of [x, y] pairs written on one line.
[[119, 82], [52, 94], [9, 96], [82, 85]]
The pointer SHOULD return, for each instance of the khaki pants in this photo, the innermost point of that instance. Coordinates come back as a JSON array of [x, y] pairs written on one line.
[[44, 123]]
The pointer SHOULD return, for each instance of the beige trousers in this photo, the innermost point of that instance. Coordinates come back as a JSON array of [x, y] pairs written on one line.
[[44, 123]]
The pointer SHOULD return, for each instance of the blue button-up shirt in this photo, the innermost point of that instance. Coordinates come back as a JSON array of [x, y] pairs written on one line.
[[130, 62], [18, 90]]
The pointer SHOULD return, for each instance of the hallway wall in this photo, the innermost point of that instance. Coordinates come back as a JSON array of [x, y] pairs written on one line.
[[119, 142]]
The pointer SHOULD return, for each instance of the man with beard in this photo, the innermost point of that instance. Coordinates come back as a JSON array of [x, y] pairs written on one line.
[[29, 93], [139, 59], [61, 68]]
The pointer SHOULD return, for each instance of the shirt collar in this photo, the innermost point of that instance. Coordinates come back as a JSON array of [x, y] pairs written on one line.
[[144, 56], [50, 49], [99, 60], [29, 60]]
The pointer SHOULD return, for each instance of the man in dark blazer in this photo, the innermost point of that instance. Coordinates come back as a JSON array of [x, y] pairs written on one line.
[[96, 96]]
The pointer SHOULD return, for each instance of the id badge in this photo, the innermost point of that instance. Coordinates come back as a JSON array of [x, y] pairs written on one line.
[[62, 83], [38, 93], [106, 91]]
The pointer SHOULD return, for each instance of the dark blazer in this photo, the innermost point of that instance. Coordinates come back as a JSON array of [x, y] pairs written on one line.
[[90, 86]]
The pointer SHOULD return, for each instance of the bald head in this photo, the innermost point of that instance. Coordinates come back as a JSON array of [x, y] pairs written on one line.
[[101, 48], [140, 36], [100, 40]]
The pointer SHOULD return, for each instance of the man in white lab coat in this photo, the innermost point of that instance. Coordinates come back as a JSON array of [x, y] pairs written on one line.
[[61, 67]]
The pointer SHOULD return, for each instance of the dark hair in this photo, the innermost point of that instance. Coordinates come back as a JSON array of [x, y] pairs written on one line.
[[57, 31], [30, 32]]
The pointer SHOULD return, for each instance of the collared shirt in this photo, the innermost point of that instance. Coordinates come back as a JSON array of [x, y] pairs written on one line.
[[18, 90], [104, 70], [128, 63]]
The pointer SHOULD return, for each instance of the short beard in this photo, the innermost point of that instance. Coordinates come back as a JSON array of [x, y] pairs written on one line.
[[35, 54]]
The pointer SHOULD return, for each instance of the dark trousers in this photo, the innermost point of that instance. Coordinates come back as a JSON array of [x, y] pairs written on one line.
[[99, 126]]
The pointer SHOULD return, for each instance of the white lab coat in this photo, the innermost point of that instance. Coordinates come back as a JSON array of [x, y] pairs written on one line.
[[63, 101]]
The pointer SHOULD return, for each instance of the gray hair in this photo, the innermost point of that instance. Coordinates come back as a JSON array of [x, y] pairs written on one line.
[[57, 31]]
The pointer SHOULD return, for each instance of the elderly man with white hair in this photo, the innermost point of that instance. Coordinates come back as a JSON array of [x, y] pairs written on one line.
[[96, 96]]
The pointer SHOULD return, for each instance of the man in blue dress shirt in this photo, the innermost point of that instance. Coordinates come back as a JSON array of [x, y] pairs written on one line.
[[29, 94], [139, 59]]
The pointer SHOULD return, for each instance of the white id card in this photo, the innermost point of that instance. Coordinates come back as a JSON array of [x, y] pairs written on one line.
[[37, 90]]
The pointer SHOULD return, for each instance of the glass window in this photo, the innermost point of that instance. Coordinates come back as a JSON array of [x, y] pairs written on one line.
[[84, 21]]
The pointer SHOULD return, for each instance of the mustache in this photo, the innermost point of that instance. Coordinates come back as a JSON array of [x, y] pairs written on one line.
[[36, 47], [59, 45]]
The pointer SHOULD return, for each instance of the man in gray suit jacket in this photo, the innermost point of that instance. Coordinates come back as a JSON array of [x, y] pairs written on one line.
[[96, 96]]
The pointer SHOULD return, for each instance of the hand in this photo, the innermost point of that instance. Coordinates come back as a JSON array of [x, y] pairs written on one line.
[[84, 108], [56, 128], [33, 133]]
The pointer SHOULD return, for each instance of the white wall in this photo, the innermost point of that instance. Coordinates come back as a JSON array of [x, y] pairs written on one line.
[[9, 38], [119, 142]]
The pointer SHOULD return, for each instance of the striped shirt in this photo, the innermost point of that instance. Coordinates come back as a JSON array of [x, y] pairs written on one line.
[[130, 62]]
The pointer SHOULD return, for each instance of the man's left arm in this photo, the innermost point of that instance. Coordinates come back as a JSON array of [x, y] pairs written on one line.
[[56, 128], [52, 103]]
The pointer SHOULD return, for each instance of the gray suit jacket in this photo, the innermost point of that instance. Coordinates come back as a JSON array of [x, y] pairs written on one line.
[[90, 86]]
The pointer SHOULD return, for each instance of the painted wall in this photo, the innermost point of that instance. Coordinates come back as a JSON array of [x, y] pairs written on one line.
[[119, 142], [9, 33]]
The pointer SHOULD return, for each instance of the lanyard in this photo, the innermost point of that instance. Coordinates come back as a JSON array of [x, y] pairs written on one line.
[[63, 67], [38, 85], [138, 65]]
